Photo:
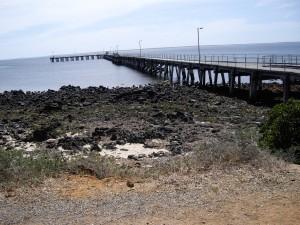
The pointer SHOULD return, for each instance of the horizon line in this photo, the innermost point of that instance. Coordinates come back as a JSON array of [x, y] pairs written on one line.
[[153, 48]]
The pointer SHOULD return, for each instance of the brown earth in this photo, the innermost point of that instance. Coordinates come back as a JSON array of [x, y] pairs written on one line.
[[237, 196]]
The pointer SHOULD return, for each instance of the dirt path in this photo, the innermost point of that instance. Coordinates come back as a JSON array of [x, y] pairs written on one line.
[[240, 196]]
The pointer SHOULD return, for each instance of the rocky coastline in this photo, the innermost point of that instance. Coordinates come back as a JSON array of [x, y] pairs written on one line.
[[75, 121]]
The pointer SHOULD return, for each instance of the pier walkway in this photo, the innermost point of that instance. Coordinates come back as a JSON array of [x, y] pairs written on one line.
[[226, 71]]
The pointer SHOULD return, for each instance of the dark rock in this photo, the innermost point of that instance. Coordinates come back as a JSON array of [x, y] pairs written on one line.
[[70, 118], [159, 115], [100, 132], [182, 116], [52, 106], [73, 143], [130, 184], [141, 156], [120, 142], [70, 88], [158, 154], [133, 157], [215, 130], [51, 143], [110, 146], [114, 137], [95, 147], [2, 130], [176, 149], [21, 103], [297, 156], [87, 104], [176, 145], [129, 136], [45, 132]]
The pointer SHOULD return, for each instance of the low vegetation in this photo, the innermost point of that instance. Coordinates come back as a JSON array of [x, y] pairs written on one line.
[[19, 169], [225, 156], [281, 131]]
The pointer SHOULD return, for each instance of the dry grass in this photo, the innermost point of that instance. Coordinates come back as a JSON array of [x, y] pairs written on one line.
[[98, 166], [15, 168], [223, 156]]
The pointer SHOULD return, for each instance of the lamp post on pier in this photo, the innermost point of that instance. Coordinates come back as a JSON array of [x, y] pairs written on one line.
[[140, 44], [199, 52], [117, 49]]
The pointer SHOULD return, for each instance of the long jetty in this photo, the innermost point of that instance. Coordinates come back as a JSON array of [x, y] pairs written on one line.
[[72, 58], [226, 71]]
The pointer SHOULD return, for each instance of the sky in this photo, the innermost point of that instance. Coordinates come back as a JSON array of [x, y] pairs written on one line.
[[30, 28]]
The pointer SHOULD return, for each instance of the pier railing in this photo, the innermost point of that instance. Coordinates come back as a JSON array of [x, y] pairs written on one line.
[[247, 61]]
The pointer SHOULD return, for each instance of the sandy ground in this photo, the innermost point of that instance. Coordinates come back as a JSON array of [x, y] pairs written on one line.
[[238, 196], [123, 151]]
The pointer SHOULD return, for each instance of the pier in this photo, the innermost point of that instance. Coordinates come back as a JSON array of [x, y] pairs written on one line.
[[72, 58], [213, 71]]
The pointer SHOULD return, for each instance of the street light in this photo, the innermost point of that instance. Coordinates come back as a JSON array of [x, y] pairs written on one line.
[[140, 44], [199, 53]]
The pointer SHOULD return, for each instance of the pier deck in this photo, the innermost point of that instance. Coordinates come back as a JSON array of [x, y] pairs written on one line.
[[214, 72]]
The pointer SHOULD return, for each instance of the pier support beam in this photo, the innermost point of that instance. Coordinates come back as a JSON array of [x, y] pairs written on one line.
[[253, 86], [239, 82], [231, 82], [183, 76], [171, 74], [223, 79], [216, 78], [178, 72], [260, 84], [203, 78], [210, 77], [200, 76], [192, 76], [286, 89], [166, 71]]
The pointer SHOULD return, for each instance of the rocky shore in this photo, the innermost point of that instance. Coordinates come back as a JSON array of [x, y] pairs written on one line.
[[75, 121], [182, 155]]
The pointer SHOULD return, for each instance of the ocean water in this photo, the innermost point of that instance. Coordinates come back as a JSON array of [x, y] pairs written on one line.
[[38, 74], [284, 48]]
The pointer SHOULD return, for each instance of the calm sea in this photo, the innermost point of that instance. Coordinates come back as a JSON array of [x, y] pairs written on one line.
[[38, 74]]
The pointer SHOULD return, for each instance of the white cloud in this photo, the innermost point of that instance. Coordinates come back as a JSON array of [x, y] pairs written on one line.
[[280, 4], [22, 14], [55, 25]]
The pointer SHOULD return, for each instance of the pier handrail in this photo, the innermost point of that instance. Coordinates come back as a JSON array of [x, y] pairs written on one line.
[[266, 61]]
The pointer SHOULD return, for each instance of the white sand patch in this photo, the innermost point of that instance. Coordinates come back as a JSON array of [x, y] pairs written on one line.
[[70, 134], [69, 155], [123, 151], [30, 147], [27, 147], [87, 147]]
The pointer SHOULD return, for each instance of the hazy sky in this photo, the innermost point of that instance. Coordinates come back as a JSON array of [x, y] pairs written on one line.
[[38, 27]]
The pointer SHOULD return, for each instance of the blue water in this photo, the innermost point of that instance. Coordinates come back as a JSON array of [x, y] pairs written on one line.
[[38, 74], [285, 48]]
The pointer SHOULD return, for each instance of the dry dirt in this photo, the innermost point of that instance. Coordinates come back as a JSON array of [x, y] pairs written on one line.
[[236, 196]]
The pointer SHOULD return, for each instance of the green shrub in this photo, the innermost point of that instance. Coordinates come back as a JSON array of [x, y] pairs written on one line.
[[282, 128]]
